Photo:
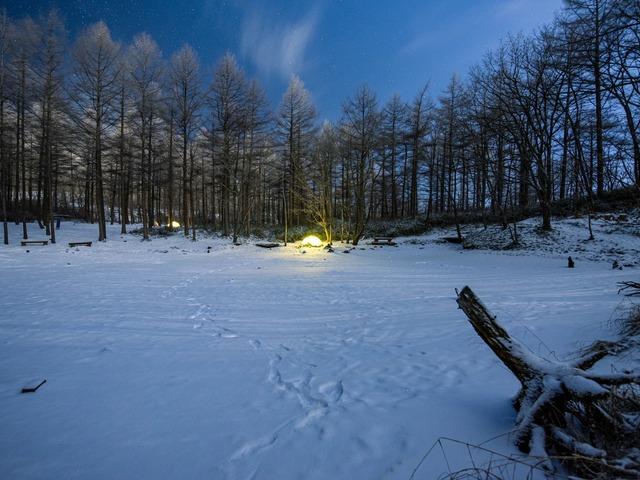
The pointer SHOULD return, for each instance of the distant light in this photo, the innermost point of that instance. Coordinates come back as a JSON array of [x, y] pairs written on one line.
[[174, 224], [311, 241]]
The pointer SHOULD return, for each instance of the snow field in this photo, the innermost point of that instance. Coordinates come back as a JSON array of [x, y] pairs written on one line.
[[164, 361]]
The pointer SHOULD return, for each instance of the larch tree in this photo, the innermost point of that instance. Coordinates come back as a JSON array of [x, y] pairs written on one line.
[[24, 38], [94, 91], [4, 163], [451, 153], [228, 92], [417, 129], [360, 127], [49, 85], [622, 70], [124, 162], [255, 124], [295, 128], [187, 98], [527, 128], [170, 115], [318, 195], [144, 73], [393, 122], [591, 19]]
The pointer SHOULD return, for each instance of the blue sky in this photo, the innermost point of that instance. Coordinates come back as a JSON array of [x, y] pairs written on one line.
[[333, 45]]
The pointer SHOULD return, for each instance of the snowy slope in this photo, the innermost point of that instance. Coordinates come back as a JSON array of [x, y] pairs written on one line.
[[616, 238], [165, 361]]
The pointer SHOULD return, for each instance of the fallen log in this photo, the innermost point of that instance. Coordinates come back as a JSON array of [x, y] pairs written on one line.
[[563, 410], [267, 245]]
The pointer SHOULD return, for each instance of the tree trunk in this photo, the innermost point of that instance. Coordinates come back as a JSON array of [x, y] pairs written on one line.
[[185, 183]]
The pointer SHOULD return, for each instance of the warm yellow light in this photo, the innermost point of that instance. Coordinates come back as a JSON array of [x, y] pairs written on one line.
[[174, 224], [311, 241]]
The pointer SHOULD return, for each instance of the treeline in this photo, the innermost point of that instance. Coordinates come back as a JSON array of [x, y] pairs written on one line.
[[119, 133]]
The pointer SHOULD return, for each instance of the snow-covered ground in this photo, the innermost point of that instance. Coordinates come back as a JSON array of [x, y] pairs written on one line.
[[616, 238], [165, 361]]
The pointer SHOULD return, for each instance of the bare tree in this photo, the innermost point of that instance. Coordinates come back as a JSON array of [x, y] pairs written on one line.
[[255, 123], [4, 168], [393, 122], [228, 92], [319, 188], [545, 117], [24, 38], [416, 132], [295, 128], [451, 147], [592, 18], [49, 87], [94, 91], [145, 70], [622, 70], [360, 126], [185, 88]]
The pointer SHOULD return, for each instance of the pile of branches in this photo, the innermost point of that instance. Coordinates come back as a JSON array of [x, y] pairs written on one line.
[[630, 289], [587, 421]]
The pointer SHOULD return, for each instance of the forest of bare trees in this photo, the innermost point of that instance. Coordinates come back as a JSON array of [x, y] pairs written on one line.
[[107, 132]]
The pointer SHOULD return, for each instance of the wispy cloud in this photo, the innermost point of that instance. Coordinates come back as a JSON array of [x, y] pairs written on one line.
[[276, 46]]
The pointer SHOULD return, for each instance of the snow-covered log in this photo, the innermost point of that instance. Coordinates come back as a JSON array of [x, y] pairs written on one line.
[[571, 405]]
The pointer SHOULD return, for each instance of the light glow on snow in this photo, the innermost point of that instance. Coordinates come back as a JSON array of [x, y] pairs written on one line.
[[311, 241], [174, 224]]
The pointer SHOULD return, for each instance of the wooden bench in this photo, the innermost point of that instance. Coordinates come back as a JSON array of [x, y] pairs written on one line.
[[24, 243], [383, 241], [80, 244]]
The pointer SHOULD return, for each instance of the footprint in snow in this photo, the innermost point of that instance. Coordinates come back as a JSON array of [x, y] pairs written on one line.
[[257, 446], [332, 391], [310, 417], [451, 377]]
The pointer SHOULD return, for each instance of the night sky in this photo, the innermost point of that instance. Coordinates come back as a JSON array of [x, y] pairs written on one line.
[[334, 46]]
